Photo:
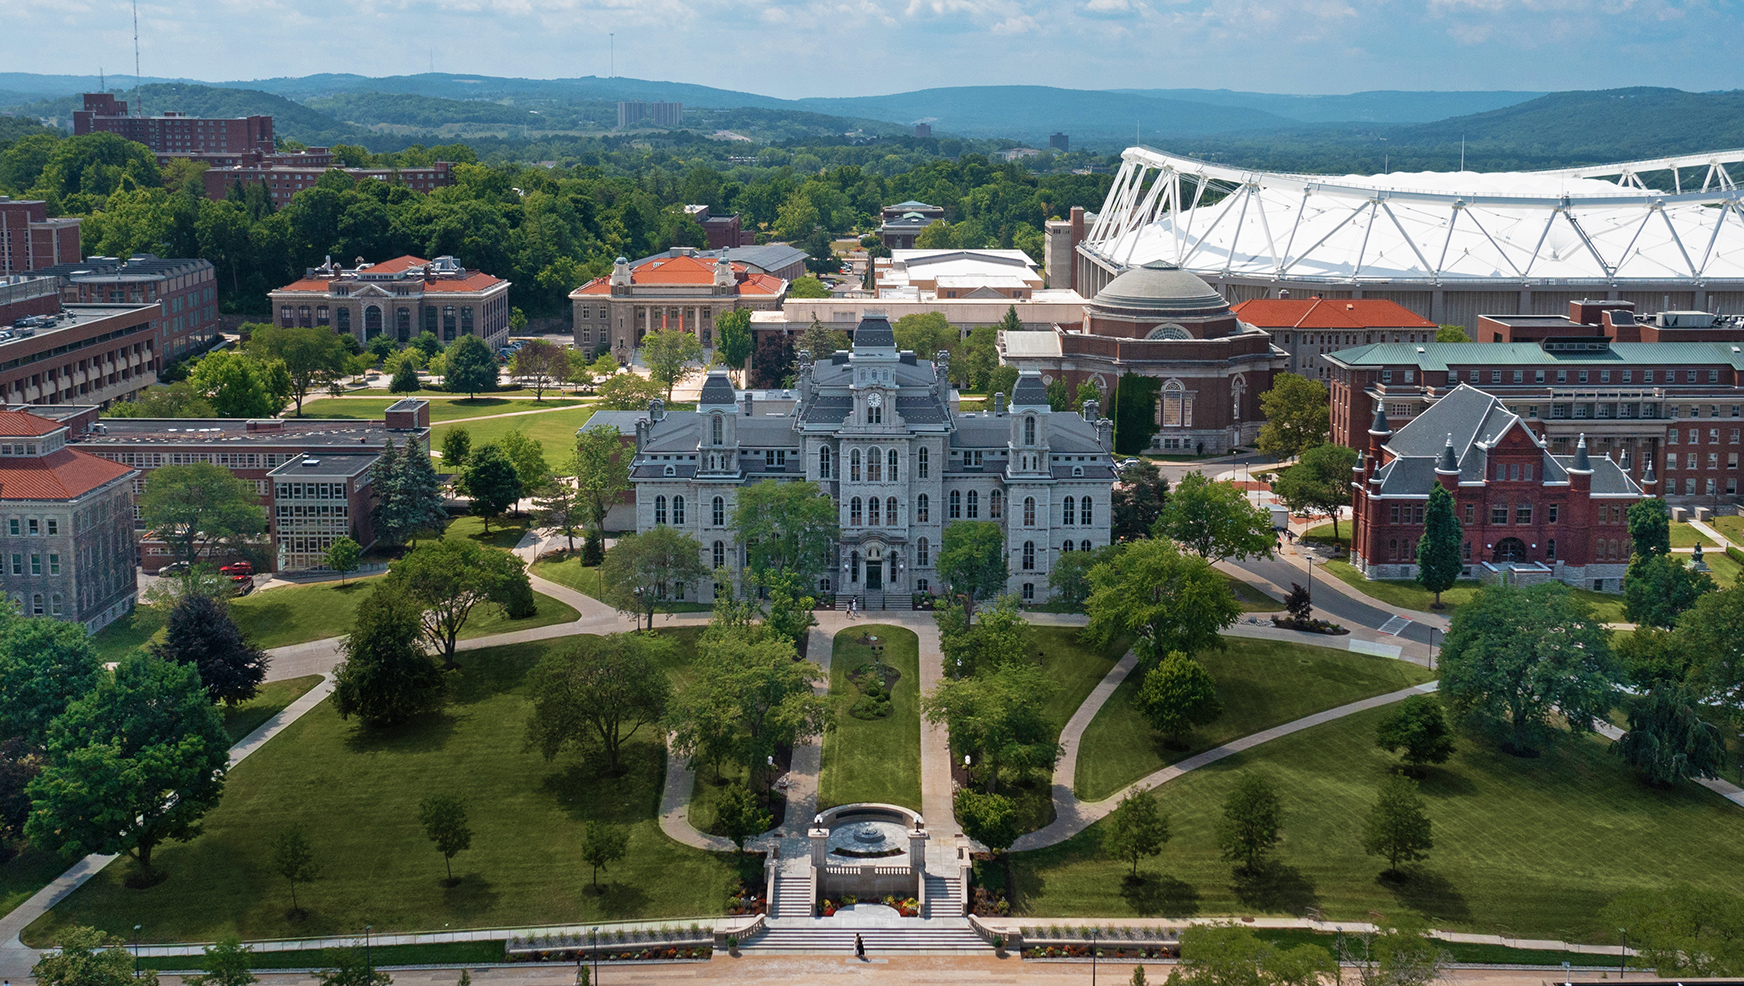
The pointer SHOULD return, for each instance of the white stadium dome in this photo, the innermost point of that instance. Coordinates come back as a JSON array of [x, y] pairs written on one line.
[[1450, 246]]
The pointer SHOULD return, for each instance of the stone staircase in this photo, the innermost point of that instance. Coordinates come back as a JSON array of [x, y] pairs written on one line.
[[793, 896], [921, 936], [944, 897]]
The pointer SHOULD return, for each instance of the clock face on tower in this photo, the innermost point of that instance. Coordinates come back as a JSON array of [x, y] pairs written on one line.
[[875, 400]]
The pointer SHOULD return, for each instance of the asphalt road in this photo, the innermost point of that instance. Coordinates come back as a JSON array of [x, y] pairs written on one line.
[[1331, 604]]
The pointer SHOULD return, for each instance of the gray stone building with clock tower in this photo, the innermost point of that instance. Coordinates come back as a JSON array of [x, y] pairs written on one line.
[[879, 431]]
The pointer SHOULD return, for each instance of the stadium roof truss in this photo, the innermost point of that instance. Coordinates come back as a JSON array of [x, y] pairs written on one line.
[[1594, 225]]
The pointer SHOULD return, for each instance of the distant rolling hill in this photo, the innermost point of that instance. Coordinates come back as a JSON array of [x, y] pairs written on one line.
[[1376, 106]]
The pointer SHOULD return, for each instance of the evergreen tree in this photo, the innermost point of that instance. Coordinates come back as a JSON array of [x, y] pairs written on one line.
[[408, 494], [200, 632], [1009, 322], [405, 379], [1438, 551], [1668, 740]]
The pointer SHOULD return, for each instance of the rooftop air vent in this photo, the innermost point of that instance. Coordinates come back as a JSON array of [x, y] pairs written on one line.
[[310, 462]]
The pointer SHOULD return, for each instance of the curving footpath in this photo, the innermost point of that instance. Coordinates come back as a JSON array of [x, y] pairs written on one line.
[[1072, 816]]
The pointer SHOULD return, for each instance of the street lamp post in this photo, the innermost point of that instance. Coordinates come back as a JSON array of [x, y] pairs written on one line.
[[1093, 957], [1434, 632], [136, 951], [1309, 554], [1623, 960], [367, 964], [593, 939]]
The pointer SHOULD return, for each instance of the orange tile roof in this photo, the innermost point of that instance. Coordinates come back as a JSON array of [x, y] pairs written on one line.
[[306, 284], [23, 424], [61, 475], [686, 271], [478, 281], [760, 284], [396, 265], [1329, 313]]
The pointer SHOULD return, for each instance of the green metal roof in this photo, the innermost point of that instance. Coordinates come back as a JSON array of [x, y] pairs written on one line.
[[1441, 355]]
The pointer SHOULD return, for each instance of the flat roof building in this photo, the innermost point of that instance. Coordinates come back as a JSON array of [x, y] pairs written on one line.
[[186, 288], [173, 134], [29, 239], [81, 354]]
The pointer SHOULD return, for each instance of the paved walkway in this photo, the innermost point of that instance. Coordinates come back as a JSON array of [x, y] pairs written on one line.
[[1072, 816]]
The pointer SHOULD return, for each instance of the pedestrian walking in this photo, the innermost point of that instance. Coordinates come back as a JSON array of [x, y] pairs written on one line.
[[859, 947]]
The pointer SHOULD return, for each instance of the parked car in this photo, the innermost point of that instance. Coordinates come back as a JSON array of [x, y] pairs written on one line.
[[1123, 463], [174, 568], [242, 585]]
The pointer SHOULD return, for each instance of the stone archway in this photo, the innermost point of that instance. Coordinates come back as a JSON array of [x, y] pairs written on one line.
[[1509, 550], [372, 321]]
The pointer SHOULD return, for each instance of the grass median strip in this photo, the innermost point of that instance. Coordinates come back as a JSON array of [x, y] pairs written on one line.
[[873, 759]]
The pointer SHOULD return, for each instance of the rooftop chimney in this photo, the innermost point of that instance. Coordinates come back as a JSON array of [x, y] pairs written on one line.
[[999, 402]]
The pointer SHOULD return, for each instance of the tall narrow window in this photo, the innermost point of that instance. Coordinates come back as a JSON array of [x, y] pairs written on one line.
[[678, 510], [974, 504], [921, 511], [720, 554], [659, 510], [956, 504], [1083, 510], [996, 504], [923, 553], [1029, 511], [854, 512], [874, 467], [874, 414], [854, 465], [1029, 556], [1069, 512], [716, 429], [921, 462], [890, 511], [824, 462], [890, 462], [1029, 430], [718, 512], [872, 509], [1084, 545]]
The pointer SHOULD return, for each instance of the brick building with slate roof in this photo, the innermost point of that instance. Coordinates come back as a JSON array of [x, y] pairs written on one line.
[[1527, 513], [880, 432]]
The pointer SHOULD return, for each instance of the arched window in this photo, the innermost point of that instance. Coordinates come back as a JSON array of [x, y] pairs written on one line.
[[678, 510], [872, 508], [923, 553], [1083, 510], [716, 429], [718, 512], [1029, 430], [1029, 556], [874, 414], [1067, 547], [890, 461], [824, 462], [890, 511], [659, 510], [854, 465], [974, 504], [1029, 511], [854, 512], [1067, 513], [874, 467], [921, 462], [921, 508], [996, 504], [956, 504], [720, 554], [1084, 545]]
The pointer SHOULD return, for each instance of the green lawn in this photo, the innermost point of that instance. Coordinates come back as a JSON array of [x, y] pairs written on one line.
[[274, 697], [505, 532], [1251, 598], [1731, 526], [874, 759], [1075, 666], [1322, 534], [556, 431], [356, 791], [1527, 847], [1607, 607], [1721, 566], [119, 638], [456, 953], [1686, 536], [1262, 683], [299, 613], [571, 572], [441, 409]]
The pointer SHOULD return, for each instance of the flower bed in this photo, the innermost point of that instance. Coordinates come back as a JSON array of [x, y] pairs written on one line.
[[908, 908], [1113, 942], [616, 945], [1309, 626], [1102, 951], [986, 903], [746, 900]]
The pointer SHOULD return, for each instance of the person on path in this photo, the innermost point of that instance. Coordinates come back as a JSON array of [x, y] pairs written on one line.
[[859, 947]]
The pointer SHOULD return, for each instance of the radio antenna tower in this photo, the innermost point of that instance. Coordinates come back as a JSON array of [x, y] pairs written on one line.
[[138, 95]]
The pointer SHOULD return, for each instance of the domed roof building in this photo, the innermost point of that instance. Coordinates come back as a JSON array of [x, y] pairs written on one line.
[[1189, 372]]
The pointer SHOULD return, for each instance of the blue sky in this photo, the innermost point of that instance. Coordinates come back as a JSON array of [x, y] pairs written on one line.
[[859, 47]]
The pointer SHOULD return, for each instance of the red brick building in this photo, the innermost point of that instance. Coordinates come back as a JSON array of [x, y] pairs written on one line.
[[29, 239], [1308, 328], [80, 354], [1528, 515], [675, 290], [1165, 323], [173, 134], [401, 297], [284, 175], [187, 289]]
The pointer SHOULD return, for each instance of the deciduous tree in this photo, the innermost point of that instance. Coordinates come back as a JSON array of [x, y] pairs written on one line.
[[1298, 413], [200, 633], [1682, 930], [540, 365], [1215, 520], [491, 481], [1517, 659], [598, 690], [228, 963], [1136, 828], [604, 844], [456, 447], [738, 816], [45, 664], [601, 467], [1650, 527], [972, 560], [733, 340], [1658, 588], [990, 819], [1398, 825], [1137, 499], [386, 678], [88, 957], [445, 580], [1170, 601], [1177, 695], [671, 355], [924, 334], [1252, 824], [443, 817], [240, 386], [643, 569], [200, 509], [1319, 482], [786, 527], [137, 761], [1417, 730], [468, 367], [997, 717], [748, 695], [343, 556], [311, 356], [294, 859], [1668, 740], [628, 392]]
